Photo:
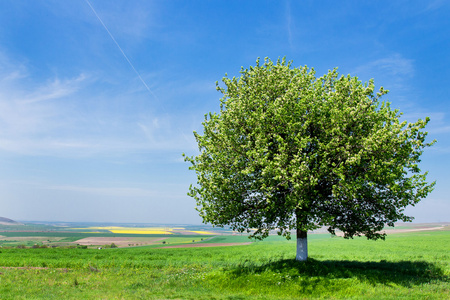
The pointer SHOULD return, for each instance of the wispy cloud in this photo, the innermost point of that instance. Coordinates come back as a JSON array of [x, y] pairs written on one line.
[[393, 66], [394, 73], [26, 115], [23, 110], [59, 117], [55, 89]]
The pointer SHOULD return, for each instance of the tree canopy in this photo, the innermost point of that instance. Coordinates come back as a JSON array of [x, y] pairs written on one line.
[[290, 151]]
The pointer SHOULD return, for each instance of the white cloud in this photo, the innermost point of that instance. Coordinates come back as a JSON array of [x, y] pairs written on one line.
[[56, 89], [394, 73], [21, 111], [77, 117], [27, 118], [392, 66]]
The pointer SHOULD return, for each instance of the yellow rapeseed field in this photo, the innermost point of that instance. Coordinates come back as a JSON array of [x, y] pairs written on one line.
[[136, 230], [148, 230], [140, 231]]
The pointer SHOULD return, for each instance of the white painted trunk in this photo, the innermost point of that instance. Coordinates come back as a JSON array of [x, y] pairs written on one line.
[[302, 249]]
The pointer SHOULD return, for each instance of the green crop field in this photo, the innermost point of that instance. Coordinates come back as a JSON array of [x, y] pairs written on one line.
[[413, 265]]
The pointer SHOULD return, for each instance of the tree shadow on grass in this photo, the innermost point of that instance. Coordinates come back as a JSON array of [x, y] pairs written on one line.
[[404, 273]]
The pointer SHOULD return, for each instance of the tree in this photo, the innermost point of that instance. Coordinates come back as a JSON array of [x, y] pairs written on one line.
[[289, 151]]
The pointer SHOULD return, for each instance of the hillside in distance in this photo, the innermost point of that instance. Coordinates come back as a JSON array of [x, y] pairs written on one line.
[[6, 221]]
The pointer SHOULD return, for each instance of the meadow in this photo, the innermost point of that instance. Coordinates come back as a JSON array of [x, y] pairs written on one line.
[[413, 265]]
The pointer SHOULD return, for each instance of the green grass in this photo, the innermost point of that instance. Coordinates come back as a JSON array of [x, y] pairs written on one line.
[[408, 266]]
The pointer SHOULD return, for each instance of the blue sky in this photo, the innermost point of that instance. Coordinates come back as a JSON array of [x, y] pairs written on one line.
[[92, 127]]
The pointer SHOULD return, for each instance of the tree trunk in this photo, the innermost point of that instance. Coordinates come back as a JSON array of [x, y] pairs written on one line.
[[302, 245], [302, 235]]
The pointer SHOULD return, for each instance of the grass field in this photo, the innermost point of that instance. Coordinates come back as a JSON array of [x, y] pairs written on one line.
[[413, 265]]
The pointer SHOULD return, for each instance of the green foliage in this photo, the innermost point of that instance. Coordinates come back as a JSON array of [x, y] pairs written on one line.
[[290, 151]]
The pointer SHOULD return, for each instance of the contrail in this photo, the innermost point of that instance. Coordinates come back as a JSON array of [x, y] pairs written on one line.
[[129, 62], [123, 53]]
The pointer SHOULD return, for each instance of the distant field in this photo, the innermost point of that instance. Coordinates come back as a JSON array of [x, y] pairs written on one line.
[[407, 265], [29, 235]]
